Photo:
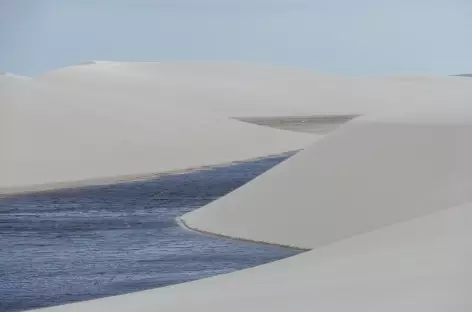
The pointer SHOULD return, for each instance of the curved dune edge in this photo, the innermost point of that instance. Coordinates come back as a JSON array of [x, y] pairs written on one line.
[[182, 223]]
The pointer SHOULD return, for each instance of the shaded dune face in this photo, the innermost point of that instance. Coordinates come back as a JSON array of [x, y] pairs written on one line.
[[367, 174]]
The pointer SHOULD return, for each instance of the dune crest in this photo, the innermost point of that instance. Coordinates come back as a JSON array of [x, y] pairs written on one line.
[[235, 89]]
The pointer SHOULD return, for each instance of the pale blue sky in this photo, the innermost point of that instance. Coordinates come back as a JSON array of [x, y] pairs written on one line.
[[352, 37]]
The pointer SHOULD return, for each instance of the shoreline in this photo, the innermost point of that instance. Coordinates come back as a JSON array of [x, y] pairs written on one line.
[[184, 225], [61, 186]]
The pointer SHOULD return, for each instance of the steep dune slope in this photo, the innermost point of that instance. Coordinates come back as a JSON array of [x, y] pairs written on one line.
[[368, 174]]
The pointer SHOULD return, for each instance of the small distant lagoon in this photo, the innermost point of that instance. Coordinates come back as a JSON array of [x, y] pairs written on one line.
[[71, 245]]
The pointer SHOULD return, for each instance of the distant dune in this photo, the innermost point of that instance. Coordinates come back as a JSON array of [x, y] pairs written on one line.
[[382, 199], [241, 90]]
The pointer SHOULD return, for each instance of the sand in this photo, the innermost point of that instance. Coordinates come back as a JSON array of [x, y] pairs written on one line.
[[52, 136], [241, 90], [370, 173], [383, 201]]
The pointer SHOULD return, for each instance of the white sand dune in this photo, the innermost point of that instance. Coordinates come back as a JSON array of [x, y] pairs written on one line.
[[226, 88], [237, 89], [50, 136], [385, 200], [368, 174]]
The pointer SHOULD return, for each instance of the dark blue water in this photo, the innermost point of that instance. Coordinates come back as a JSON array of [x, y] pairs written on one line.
[[72, 245]]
